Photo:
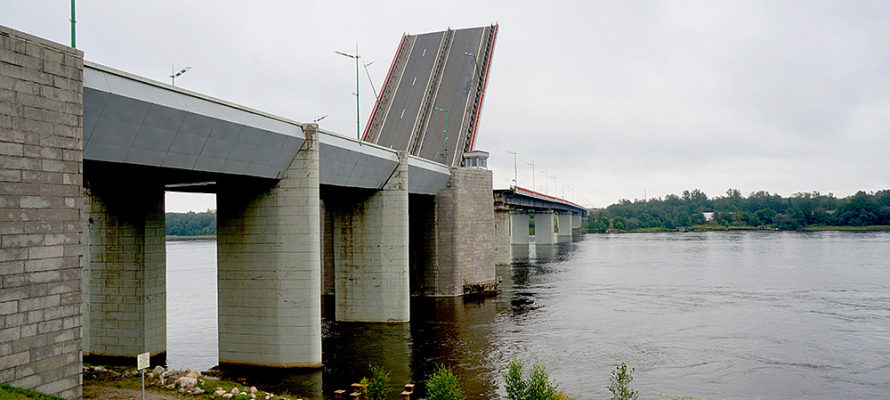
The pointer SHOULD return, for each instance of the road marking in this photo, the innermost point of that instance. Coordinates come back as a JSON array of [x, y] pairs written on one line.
[[415, 80], [424, 53], [403, 114]]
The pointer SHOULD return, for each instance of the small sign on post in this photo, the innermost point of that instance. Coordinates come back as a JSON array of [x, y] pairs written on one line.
[[142, 362]]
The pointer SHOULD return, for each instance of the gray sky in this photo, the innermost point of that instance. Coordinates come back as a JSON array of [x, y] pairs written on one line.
[[612, 98]]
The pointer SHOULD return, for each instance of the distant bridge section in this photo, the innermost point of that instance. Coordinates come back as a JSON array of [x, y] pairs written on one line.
[[513, 209], [432, 73]]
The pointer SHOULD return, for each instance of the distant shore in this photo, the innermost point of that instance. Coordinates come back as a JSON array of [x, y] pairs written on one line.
[[720, 228]]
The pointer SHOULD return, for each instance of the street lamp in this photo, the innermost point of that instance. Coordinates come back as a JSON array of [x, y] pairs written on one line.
[[176, 74], [446, 133], [315, 121], [357, 118], [515, 175], [545, 181], [533, 174]]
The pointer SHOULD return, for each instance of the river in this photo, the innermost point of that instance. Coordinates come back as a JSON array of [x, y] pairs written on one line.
[[738, 315]]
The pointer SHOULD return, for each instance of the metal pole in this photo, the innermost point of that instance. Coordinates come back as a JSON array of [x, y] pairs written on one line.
[[515, 175], [446, 140], [533, 175], [357, 114], [73, 21], [545, 181], [143, 383]]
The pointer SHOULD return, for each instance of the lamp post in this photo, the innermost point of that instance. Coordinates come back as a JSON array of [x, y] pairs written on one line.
[[73, 21], [446, 133], [357, 118], [175, 74], [545, 180], [515, 175], [533, 174]]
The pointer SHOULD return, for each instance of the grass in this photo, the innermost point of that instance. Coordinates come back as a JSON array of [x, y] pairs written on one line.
[[200, 237], [11, 393]]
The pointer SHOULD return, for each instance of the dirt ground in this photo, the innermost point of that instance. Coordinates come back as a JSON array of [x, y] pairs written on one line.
[[96, 390]]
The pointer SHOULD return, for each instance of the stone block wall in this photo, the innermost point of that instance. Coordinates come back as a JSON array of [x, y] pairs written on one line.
[[41, 143], [125, 263], [466, 232]]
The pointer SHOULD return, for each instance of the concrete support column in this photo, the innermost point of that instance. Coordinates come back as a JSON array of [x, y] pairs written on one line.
[[371, 253], [503, 249], [544, 227], [124, 278], [564, 225], [518, 228], [465, 234], [576, 221], [269, 261]]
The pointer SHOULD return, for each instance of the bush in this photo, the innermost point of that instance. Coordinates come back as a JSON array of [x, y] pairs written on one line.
[[377, 386], [619, 383], [443, 385], [537, 386]]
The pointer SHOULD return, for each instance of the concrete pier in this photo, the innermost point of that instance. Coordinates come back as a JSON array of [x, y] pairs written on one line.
[[465, 233], [564, 227], [125, 310], [519, 228], [503, 248], [269, 260], [370, 231], [544, 227]]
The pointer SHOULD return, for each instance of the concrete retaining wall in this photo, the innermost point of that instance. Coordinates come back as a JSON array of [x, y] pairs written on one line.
[[41, 153]]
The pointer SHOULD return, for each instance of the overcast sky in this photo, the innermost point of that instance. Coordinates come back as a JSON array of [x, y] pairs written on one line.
[[614, 99]]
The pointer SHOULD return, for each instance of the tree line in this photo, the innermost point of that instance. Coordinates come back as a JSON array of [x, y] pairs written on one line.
[[191, 223], [759, 209]]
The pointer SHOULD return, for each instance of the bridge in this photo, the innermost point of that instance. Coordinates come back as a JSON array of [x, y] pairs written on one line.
[[87, 153], [513, 209], [434, 77]]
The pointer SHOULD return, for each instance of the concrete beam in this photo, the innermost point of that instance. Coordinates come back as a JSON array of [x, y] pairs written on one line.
[[269, 260]]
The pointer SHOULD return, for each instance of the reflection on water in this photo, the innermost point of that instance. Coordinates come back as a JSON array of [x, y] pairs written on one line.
[[708, 315]]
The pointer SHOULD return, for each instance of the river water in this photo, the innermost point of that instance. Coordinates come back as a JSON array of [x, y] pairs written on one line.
[[719, 315]]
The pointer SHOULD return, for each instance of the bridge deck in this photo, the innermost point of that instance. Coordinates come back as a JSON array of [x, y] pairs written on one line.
[[133, 120], [444, 70]]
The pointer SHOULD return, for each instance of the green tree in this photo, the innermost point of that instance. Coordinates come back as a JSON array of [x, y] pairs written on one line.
[[537, 386], [443, 385], [377, 386], [619, 383]]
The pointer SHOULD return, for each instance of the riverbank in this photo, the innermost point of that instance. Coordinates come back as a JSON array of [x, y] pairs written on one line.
[[113, 382], [721, 228]]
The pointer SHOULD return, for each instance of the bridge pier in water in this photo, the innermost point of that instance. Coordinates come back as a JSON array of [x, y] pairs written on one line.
[[370, 250], [564, 227], [544, 227]]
